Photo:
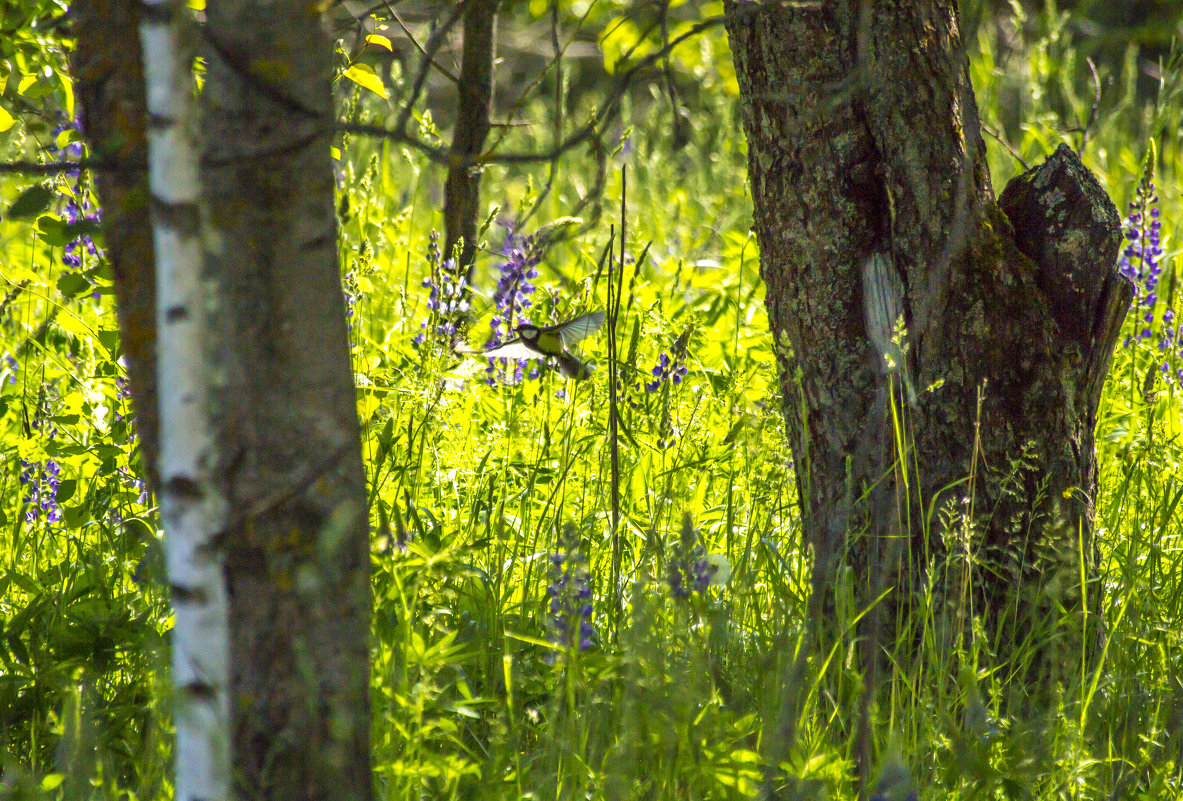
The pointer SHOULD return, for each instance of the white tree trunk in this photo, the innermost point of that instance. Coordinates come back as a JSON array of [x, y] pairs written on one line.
[[192, 505]]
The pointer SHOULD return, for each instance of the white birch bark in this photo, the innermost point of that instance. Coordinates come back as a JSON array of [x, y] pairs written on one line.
[[192, 506]]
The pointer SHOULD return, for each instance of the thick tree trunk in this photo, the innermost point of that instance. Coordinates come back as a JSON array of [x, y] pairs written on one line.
[[297, 551], [462, 190], [873, 205], [109, 77]]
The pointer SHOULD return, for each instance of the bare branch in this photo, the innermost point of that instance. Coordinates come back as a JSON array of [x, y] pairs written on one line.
[[594, 129], [451, 76]]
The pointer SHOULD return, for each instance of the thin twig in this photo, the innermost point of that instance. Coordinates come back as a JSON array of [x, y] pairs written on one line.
[[614, 293], [451, 76], [1005, 144], [1092, 119]]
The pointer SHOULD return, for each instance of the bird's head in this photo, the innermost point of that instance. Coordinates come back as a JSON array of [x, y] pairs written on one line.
[[527, 332]]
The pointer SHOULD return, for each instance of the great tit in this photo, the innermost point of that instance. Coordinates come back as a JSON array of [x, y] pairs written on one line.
[[534, 342]]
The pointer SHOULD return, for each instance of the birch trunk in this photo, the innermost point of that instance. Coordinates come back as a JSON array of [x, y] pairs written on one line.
[[192, 507], [873, 205]]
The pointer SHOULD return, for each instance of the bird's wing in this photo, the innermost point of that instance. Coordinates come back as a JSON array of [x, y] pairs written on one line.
[[574, 330], [514, 349]]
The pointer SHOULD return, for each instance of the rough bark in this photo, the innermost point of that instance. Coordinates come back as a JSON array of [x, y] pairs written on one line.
[[873, 203], [297, 551], [462, 190], [109, 81]]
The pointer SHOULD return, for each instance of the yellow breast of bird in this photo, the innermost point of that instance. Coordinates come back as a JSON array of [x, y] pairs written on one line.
[[549, 342]]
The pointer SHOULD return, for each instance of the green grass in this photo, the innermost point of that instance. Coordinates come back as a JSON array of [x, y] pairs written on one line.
[[713, 696]]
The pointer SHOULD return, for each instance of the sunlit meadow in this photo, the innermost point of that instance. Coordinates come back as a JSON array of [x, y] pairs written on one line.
[[523, 645]]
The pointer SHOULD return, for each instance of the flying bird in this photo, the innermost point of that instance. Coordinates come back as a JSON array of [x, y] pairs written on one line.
[[556, 341]]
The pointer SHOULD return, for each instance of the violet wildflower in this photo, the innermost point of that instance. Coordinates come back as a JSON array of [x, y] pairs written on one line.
[[671, 365], [41, 481], [131, 483], [1141, 263], [569, 595], [1141, 258], [447, 300], [667, 369], [67, 146], [11, 367], [511, 300], [688, 569]]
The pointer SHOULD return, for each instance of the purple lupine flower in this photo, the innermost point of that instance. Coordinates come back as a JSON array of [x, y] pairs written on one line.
[[13, 367], [1141, 262], [41, 481], [78, 207], [689, 572], [569, 595], [521, 255], [130, 482], [671, 368], [689, 569], [1170, 348], [682, 567], [447, 298], [1141, 258]]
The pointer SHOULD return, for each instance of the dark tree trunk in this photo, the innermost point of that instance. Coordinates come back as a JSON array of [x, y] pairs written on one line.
[[873, 204], [297, 552], [109, 77], [462, 191]]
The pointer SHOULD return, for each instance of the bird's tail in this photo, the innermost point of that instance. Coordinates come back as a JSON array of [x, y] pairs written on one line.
[[572, 367]]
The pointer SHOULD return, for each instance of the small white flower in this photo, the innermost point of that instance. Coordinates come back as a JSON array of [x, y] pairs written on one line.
[[718, 568]]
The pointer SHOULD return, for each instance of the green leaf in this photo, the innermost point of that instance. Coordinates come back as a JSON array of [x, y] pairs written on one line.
[[109, 337], [66, 490], [59, 233], [53, 230], [379, 40], [107, 451], [73, 284], [75, 516], [67, 92], [31, 202], [364, 75], [6, 120], [71, 322]]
